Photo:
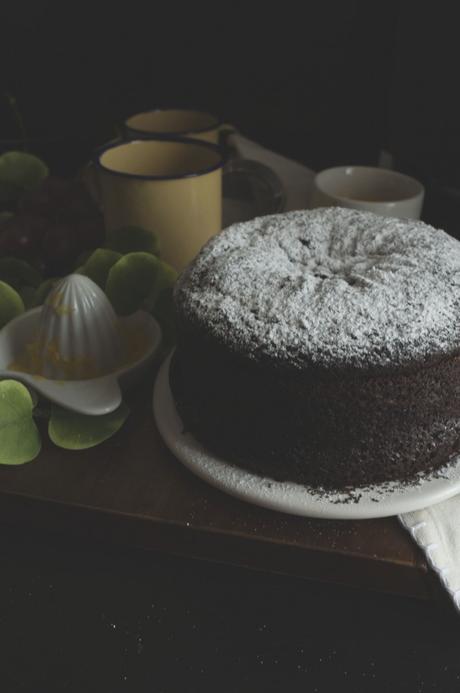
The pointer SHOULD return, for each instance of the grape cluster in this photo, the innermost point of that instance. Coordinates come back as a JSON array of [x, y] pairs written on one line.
[[53, 224]]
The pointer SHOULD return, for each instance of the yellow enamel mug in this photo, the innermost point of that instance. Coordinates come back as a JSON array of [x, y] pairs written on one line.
[[170, 187], [175, 122]]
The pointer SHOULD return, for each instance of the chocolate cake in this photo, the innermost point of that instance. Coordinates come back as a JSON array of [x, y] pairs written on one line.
[[322, 347]]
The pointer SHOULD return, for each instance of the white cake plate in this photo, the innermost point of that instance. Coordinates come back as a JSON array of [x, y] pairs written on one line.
[[288, 497]]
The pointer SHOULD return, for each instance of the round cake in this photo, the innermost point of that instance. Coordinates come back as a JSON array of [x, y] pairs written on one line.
[[322, 347]]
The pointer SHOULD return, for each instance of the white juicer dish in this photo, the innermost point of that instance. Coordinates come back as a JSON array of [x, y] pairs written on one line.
[[75, 351]]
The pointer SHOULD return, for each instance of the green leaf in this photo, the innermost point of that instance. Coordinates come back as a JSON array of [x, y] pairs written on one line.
[[19, 437], [132, 239], [18, 273], [165, 280], [9, 193], [20, 171], [74, 431], [98, 265], [136, 280], [11, 304]]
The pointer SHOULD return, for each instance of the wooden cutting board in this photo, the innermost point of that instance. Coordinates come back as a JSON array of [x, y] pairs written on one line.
[[132, 491]]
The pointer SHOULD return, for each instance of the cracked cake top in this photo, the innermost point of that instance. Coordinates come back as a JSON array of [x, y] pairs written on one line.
[[331, 287]]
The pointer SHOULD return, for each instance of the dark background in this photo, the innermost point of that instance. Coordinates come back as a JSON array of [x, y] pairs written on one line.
[[325, 82], [86, 618], [310, 79], [328, 82]]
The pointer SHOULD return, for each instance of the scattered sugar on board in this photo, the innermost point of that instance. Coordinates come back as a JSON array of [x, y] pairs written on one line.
[[330, 286]]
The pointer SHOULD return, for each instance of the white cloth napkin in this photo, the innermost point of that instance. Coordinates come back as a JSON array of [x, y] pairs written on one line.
[[435, 529]]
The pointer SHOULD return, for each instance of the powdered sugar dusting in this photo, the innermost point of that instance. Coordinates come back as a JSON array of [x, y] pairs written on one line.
[[330, 286]]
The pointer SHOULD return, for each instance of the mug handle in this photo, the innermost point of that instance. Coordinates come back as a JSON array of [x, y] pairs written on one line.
[[225, 130], [247, 173]]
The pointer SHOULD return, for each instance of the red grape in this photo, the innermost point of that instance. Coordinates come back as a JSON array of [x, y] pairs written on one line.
[[22, 235], [78, 203], [56, 222], [90, 233], [59, 248], [47, 197]]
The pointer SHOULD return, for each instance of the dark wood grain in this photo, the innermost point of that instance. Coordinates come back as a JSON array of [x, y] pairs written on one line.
[[132, 491]]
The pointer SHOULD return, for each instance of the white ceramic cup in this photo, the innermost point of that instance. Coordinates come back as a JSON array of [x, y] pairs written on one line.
[[378, 190]]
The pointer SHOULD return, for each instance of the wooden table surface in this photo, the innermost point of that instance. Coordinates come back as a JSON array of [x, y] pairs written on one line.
[[132, 491]]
